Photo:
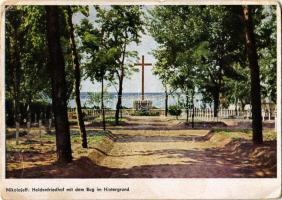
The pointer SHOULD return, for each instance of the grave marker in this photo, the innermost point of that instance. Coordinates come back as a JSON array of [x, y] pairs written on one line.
[[17, 132], [40, 125]]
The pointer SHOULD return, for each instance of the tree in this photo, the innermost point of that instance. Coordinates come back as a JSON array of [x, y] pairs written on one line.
[[122, 25], [31, 68], [94, 100], [186, 33], [57, 71], [265, 30], [13, 62], [101, 55], [174, 53], [237, 92], [185, 80], [77, 76], [255, 74], [224, 50], [163, 70]]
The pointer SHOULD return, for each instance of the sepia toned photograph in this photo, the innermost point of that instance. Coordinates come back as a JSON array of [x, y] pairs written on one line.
[[141, 91]]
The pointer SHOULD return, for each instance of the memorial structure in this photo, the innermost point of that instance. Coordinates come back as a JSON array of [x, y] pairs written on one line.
[[142, 104]]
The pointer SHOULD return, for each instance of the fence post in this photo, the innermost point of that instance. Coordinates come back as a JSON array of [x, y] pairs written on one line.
[[201, 113]]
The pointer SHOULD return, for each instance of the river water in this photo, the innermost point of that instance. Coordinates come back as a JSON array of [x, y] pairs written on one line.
[[110, 99]]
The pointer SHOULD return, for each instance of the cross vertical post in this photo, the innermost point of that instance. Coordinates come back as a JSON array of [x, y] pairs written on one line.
[[142, 64], [142, 89]]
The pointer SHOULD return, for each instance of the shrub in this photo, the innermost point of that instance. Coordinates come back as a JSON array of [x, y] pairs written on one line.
[[145, 113], [174, 110]]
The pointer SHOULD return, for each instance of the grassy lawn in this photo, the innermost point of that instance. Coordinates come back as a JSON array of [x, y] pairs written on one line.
[[268, 135], [110, 120]]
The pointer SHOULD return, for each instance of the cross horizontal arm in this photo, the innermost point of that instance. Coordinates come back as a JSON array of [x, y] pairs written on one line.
[[145, 64]]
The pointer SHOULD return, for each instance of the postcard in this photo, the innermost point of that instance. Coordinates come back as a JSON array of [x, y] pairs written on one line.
[[140, 100]]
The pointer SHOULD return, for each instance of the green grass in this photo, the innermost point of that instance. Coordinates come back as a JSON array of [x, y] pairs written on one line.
[[235, 135], [48, 137], [109, 120], [245, 133], [269, 135], [21, 147], [99, 135], [231, 130]]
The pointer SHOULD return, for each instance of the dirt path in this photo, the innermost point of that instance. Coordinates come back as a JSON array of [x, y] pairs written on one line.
[[151, 148], [180, 154]]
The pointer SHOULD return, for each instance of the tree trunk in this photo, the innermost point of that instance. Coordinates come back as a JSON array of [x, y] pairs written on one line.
[[57, 68], [119, 102], [102, 105], [193, 110], [255, 72], [215, 102], [236, 106], [242, 104], [77, 80], [236, 100], [16, 74], [28, 115], [166, 102], [187, 108]]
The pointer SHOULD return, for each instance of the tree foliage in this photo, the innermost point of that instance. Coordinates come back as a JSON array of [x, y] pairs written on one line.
[[210, 41]]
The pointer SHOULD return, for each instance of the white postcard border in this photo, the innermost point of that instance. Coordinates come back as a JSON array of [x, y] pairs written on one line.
[[190, 188]]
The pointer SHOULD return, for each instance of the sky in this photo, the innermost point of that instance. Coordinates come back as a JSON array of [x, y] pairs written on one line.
[[151, 83]]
